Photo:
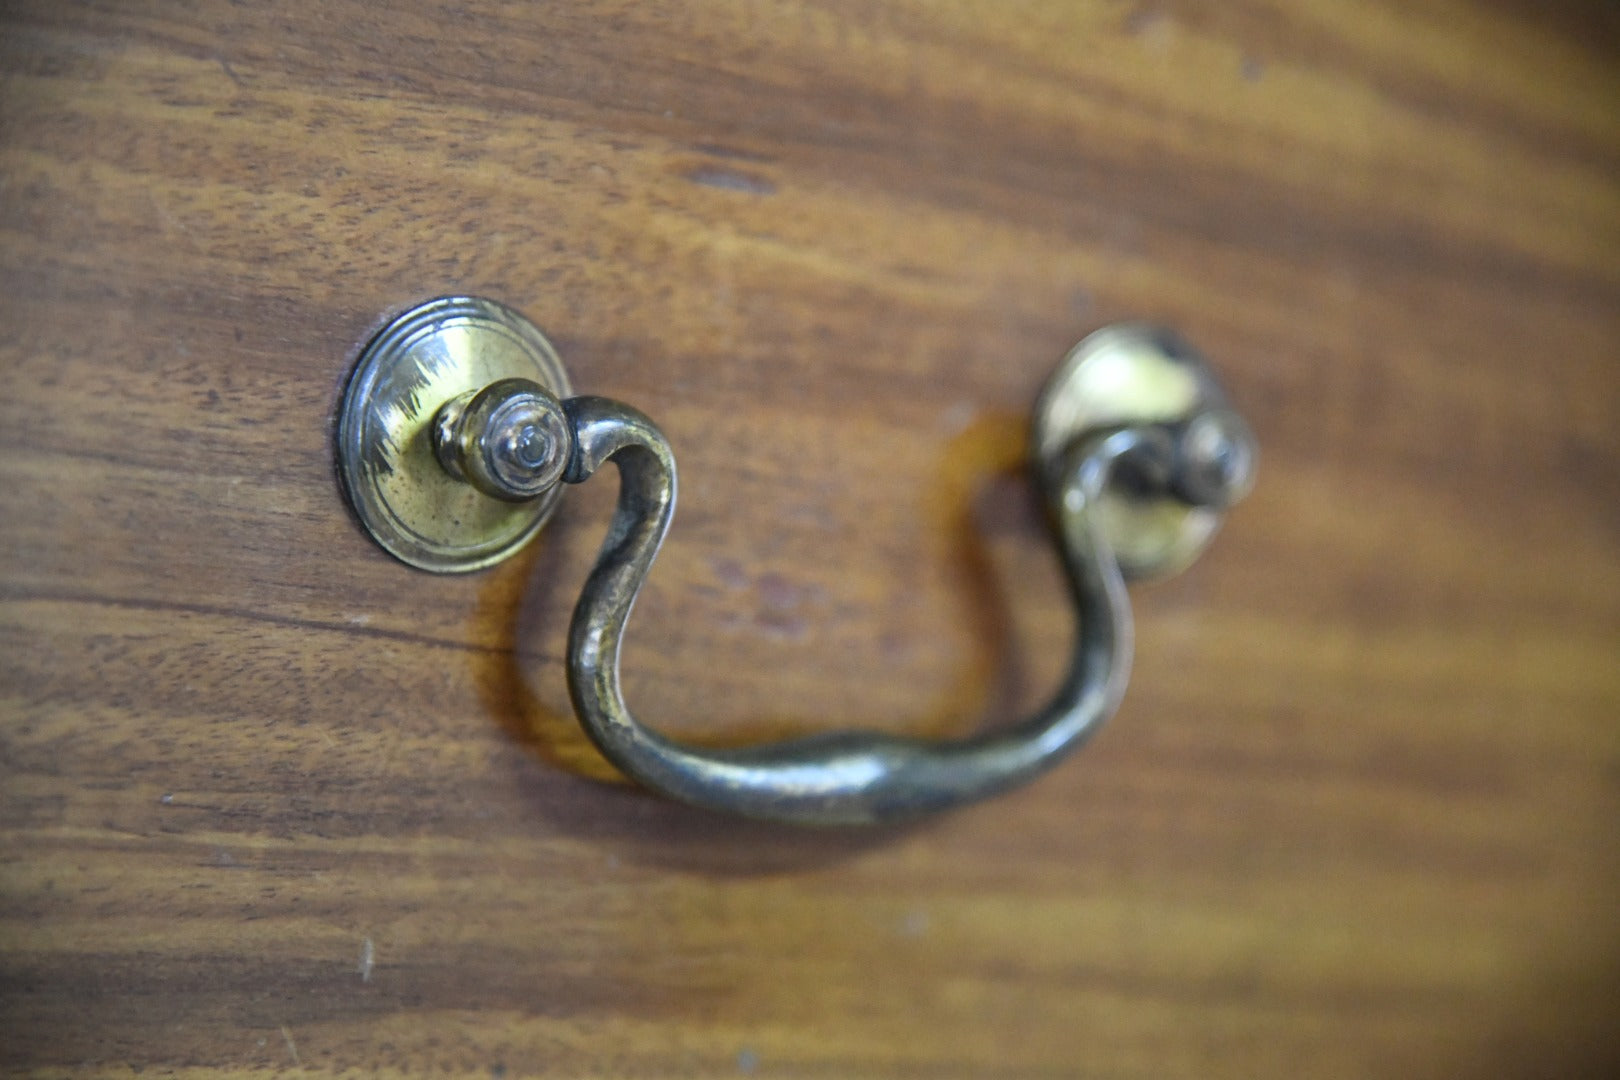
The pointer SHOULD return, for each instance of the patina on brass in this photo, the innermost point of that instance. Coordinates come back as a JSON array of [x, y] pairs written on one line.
[[1134, 375], [1137, 457], [411, 381]]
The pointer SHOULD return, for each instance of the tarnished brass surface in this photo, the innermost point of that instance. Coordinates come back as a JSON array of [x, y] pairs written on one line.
[[1133, 374], [1135, 452], [433, 354]]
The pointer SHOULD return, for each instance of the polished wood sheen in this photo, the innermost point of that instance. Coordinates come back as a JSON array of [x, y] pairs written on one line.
[[272, 802]]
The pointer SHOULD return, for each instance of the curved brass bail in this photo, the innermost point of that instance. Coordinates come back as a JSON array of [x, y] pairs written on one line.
[[841, 777]]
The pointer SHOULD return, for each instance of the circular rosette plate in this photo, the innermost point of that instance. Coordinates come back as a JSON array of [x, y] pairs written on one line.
[[1130, 375], [406, 500]]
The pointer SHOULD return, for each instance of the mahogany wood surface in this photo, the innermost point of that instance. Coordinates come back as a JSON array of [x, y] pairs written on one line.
[[271, 802]]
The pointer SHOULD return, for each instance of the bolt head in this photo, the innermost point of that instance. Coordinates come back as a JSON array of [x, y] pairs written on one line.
[[525, 443], [511, 440], [1216, 458]]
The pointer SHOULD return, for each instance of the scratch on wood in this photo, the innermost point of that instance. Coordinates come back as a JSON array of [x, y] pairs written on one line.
[[367, 954], [731, 180], [292, 1048], [717, 150]]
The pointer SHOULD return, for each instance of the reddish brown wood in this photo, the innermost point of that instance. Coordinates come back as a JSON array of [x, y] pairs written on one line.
[[1357, 817]]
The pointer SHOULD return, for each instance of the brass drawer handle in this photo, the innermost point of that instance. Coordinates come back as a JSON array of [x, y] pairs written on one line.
[[458, 428]]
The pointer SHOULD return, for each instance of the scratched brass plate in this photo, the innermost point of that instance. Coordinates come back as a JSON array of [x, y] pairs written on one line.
[[402, 495], [1124, 375]]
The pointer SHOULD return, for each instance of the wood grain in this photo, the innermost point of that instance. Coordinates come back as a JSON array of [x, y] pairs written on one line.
[[272, 802]]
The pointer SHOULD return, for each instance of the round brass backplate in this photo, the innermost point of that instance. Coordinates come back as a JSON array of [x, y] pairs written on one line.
[[1126, 375], [403, 496]]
